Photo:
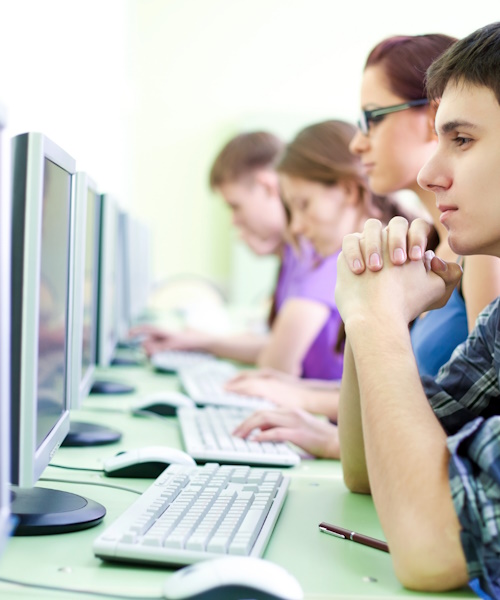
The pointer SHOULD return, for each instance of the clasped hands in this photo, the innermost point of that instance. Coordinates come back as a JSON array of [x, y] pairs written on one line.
[[386, 272]]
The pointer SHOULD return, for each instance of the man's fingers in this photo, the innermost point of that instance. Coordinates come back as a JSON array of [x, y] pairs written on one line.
[[397, 231], [417, 238]]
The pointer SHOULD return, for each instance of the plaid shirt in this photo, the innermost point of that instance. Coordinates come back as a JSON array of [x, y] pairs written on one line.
[[465, 397]]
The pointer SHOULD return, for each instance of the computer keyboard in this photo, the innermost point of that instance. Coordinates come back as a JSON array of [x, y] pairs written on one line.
[[191, 513], [204, 383], [207, 436], [172, 361]]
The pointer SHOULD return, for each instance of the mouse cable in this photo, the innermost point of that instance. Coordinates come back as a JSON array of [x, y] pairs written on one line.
[[51, 588], [108, 485], [76, 468]]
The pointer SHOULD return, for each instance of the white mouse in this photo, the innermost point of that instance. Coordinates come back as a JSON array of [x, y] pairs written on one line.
[[233, 578], [164, 403], [148, 462]]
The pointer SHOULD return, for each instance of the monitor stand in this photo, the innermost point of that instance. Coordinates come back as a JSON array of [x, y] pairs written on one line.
[[42, 511], [122, 361], [90, 434], [111, 387]]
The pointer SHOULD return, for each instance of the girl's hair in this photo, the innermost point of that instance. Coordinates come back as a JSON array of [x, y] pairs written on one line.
[[320, 153], [405, 60], [243, 155]]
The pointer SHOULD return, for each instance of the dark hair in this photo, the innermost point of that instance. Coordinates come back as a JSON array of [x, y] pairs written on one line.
[[473, 60], [405, 60], [244, 154]]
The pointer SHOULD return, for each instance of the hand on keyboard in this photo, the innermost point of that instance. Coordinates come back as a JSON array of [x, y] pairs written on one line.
[[315, 435]]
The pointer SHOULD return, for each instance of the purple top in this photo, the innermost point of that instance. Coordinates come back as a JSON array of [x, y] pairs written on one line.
[[306, 275]]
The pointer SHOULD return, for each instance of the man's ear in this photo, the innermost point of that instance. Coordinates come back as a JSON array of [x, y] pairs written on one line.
[[431, 121], [269, 180]]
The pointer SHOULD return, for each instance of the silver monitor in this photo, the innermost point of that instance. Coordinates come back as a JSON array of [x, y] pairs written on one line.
[[43, 227], [5, 212], [84, 311]]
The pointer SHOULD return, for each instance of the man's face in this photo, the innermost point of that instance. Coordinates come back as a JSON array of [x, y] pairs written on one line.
[[258, 213], [464, 172]]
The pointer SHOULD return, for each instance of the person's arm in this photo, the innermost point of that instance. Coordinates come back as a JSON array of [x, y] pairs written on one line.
[[297, 325], [405, 446], [350, 429], [244, 347], [322, 401], [480, 284]]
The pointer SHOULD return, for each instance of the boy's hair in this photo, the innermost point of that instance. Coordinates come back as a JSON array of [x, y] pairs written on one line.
[[243, 155], [473, 60]]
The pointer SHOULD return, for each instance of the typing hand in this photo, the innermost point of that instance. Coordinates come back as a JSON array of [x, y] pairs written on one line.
[[314, 435], [281, 392]]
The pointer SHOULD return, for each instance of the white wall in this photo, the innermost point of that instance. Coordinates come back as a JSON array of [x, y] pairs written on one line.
[[206, 69], [144, 92], [63, 71]]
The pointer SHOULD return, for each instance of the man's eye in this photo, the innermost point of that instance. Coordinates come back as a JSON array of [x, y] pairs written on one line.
[[462, 140]]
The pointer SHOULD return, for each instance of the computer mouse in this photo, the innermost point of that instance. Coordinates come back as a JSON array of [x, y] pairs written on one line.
[[148, 462], [233, 578], [164, 404]]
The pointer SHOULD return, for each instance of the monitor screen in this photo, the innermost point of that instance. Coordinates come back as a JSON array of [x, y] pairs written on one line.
[[108, 278], [86, 279], [5, 210], [123, 275], [41, 193], [139, 280], [43, 238]]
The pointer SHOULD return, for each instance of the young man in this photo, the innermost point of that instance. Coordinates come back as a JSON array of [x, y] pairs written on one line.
[[429, 450]]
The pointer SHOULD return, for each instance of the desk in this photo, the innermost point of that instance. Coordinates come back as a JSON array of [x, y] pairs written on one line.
[[326, 567]]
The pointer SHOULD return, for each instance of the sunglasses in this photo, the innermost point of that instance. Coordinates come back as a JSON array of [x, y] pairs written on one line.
[[377, 114]]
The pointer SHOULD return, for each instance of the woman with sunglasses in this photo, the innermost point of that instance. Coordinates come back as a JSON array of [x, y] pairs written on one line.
[[396, 137]]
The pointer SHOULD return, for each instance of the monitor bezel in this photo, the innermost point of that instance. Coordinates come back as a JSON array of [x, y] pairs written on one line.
[[107, 253], [5, 266], [28, 460], [82, 383]]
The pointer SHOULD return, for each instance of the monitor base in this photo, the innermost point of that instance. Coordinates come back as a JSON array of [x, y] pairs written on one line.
[[122, 361], [111, 387], [89, 434], [42, 511]]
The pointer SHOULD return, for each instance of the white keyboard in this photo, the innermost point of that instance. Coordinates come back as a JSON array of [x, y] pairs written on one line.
[[204, 383], [172, 361], [207, 437], [191, 513]]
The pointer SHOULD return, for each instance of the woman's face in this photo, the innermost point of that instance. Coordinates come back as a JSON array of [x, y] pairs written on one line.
[[396, 147], [322, 214]]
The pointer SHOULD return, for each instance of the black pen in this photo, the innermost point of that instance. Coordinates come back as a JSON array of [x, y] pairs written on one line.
[[347, 534]]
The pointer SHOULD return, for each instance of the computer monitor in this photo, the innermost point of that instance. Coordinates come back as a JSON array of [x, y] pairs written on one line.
[[108, 325], [41, 328], [140, 273], [84, 311], [5, 211]]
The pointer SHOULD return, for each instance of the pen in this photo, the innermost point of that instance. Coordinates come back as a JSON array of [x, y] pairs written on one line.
[[347, 534]]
